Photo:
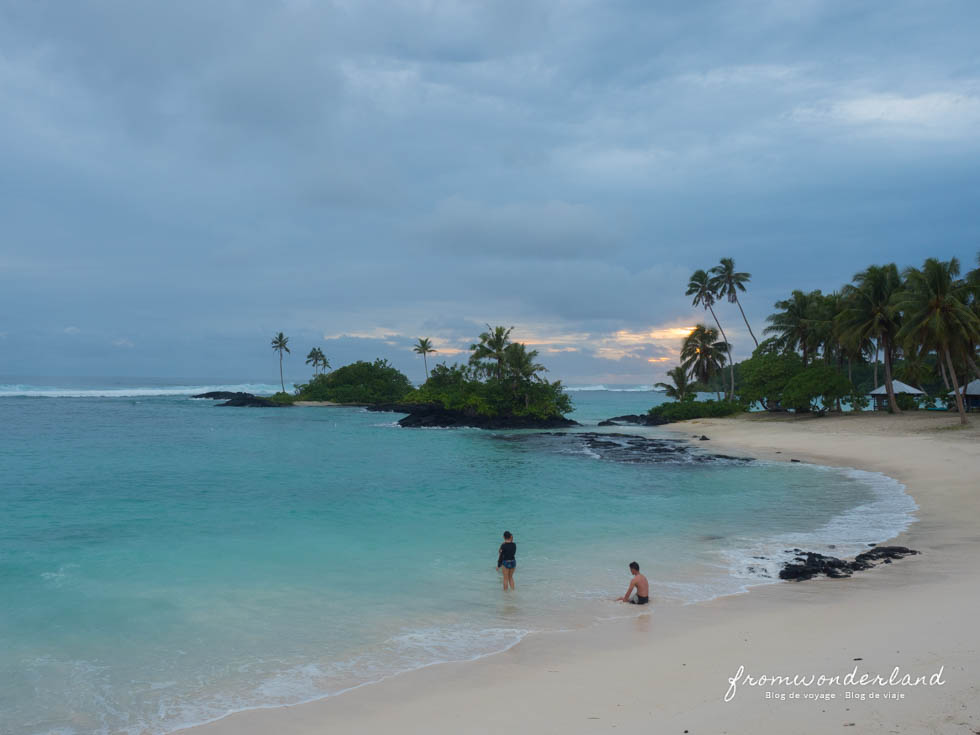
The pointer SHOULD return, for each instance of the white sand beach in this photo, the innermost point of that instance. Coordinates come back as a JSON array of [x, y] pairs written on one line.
[[668, 671]]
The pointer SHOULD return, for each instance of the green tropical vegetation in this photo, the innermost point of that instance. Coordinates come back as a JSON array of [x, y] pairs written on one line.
[[685, 410], [501, 378], [359, 382], [920, 325], [821, 351]]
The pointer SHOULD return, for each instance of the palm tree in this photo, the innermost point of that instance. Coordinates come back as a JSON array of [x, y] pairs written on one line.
[[492, 346], [313, 359], [934, 303], [792, 327], [699, 286], [870, 313], [703, 354], [424, 347], [727, 282], [279, 344], [682, 389], [324, 363], [521, 368]]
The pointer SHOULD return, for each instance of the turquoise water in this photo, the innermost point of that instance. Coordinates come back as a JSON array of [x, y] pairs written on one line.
[[164, 561]]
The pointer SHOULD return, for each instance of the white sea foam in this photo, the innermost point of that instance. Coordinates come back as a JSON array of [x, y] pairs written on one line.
[[405, 652], [36, 391], [890, 512]]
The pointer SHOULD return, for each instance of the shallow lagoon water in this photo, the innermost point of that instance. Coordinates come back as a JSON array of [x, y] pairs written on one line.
[[164, 561]]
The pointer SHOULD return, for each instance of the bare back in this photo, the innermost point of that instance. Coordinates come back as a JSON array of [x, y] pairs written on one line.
[[642, 585]]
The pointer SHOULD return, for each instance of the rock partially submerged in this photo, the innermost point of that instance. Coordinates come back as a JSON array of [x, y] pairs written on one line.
[[232, 398], [626, 448], [639, 419], [809, 564], [434, 416]]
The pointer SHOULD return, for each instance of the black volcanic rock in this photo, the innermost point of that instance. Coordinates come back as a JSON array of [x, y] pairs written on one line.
[[635, 418], [810, 564], [627, 448], [220, 395], [434, 416], [250, 401]]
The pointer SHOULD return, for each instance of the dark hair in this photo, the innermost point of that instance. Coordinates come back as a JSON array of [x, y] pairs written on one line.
[[634, 566], [507, 535]]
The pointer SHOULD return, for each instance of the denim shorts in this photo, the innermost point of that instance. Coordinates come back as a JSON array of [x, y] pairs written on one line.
[[509, 564]]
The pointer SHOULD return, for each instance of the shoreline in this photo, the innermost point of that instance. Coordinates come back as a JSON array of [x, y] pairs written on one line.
[[435, 697]]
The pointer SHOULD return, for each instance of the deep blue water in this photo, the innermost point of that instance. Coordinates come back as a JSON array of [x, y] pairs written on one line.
[[164, 561]]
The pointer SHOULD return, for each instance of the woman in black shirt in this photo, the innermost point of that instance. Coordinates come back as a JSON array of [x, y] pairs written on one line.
[[506, 561]]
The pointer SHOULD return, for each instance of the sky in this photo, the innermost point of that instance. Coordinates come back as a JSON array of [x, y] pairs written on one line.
[[179, 181]]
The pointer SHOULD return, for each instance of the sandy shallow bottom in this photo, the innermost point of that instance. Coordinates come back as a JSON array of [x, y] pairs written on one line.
[[669, 671]]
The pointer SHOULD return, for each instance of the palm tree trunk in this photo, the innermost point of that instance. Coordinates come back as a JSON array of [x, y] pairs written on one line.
[[751, 333], [942, 369], [956, 387], [889, 387], [850, 379], [281, 381], [426, 363], [876, 365], [731, 365]]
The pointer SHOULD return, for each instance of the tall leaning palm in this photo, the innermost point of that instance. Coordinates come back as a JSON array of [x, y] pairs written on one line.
[[937, 315], [702, 353], [280, 344], [699, 286], [682, 388], [727, 282], [424, 347]]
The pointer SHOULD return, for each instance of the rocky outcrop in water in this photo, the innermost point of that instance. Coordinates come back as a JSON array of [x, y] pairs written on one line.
[[809, 564], [231, 398], [431, 416], [626, 448], [639, 419]]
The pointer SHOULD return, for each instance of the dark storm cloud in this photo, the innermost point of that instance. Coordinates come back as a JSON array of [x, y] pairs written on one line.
[[184, 179]]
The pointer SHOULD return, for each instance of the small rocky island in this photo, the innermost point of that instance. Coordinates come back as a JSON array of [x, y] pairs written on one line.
[[501, 386]]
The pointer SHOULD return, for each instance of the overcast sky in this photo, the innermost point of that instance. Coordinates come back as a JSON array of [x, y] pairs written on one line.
[[181, 180]]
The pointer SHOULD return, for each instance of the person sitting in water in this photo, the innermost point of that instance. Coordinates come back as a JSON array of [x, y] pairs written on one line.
[[506, 561], [639, 584]]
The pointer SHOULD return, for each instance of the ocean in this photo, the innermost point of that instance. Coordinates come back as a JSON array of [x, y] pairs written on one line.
[[164, 561]]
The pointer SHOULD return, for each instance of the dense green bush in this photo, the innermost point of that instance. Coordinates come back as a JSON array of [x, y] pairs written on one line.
[[459, 388], [817, 385], [906, 402], [359, 382], [764, 377], [684, 410]]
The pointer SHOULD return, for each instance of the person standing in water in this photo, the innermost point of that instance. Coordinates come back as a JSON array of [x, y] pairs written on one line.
[[638, 583], [506, 560]]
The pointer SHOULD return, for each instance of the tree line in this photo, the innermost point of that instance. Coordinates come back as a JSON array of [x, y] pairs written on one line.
[[927, 317]]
